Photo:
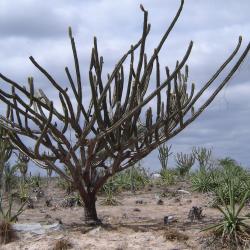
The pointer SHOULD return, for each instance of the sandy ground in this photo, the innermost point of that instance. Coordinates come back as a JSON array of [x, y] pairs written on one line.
[[128, 225]]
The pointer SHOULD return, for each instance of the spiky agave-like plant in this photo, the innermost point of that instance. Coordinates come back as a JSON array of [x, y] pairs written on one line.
[[109, 135], [233, 227]]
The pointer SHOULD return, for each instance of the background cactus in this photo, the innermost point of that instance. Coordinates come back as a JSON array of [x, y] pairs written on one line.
[[184, 163], [5, 152], [22, 165], [163, 155], [203, 156]]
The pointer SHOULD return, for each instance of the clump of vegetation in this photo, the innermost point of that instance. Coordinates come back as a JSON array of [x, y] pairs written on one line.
[[23, 192], [168, 177], [10, 178], [131, 179], [163, 155], [70, 201], [64, 184], [173, 234], [184, 163], [7, 217], [6, 149], [215, 179], [62, 244], [34, 181], [109, 189], [22, 165], [204, 181], [233, 229], [203, 156], [7, 234]]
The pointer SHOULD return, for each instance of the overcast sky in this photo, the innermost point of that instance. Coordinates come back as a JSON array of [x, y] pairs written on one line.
[[39, 28]]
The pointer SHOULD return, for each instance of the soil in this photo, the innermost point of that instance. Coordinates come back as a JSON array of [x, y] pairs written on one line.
[[137, 222]]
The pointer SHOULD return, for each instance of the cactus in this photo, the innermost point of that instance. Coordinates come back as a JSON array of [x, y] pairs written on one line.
[[22, 165], [9, 175], [184, 163], [163, 155], [5, 152], [203, 156], [83, 136]]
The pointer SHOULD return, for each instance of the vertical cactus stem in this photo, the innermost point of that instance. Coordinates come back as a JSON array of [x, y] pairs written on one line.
[[66, 113], [186, 73], [44, 131], [141, 55], [80, 107], [12, 117], [178, 98], [70, 32], [31, 85], [96, 52], [192, 111], [101, 63], [158, 82], [26, 121], [145, 61], [168, 104], [162, 110], [8, 111], [94, 99], [14, 98]]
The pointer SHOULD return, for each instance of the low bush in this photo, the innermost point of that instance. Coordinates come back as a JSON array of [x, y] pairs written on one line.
[[7, 217], [233, 229], [168, 177], [131, 179], [216, 180]]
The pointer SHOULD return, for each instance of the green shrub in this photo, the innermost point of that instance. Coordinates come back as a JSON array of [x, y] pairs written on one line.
[[7, 214], [218, 178], [34, 181], [109, 189], [233, 227], [168, 176], [132, 179], [204, 181]]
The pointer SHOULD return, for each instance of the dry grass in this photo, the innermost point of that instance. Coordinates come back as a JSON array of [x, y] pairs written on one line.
[[62, 244], [7, 234], [173, 234]]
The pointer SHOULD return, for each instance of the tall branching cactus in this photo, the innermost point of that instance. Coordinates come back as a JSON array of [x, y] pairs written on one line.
[[5, 152], [203, 156], [9, 177], [163, 155], [22, 165], [84, 136], [184, 163]]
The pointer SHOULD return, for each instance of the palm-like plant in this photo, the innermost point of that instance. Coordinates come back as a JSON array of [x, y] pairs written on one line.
[[232, 227]]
